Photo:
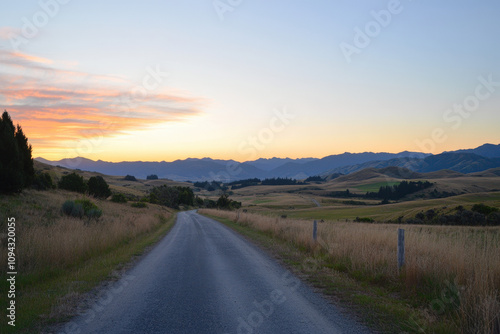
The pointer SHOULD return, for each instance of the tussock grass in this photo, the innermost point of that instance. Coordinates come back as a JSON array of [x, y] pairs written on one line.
[[50, 240], [59, 255], [453, 272]]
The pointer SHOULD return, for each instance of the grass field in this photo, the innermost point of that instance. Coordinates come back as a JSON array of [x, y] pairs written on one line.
[[60, 257], [451, 275], [333, 209], [374, 187]]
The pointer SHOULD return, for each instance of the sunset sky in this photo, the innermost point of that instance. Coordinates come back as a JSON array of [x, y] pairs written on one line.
[[166, 80]]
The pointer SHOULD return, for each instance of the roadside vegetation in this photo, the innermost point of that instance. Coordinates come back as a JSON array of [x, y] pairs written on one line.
[[450, 282], [67, 244]]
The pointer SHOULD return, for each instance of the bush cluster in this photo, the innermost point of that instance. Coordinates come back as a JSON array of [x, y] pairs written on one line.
[[130, 178], [73, 182], [118, 198], [171, 196], [43, 181], [80, 208], [399, 191], [479, 215], [225, 203], [95, 186]]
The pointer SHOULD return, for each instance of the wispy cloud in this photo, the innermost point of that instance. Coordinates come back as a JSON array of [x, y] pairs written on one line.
[[55, 104], [7, 33]]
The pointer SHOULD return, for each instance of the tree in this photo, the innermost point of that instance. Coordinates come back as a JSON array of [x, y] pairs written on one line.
[[98, 187], [43, 181], [225, 203], [152, 177], [73, 182], [16, 164]]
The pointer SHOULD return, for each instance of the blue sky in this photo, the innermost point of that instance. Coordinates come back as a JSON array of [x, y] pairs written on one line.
[[230, 74]]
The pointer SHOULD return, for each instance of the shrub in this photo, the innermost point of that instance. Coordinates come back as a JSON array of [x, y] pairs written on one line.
[[484, 209], [43, 181], [73, 209], [87, 204], [119, 198], [80, 208], [130, 178], [364, 220], [225, 203], [139, 205], [94, 213], [494, 218], [171, 196], [98, 187], [73, 182]]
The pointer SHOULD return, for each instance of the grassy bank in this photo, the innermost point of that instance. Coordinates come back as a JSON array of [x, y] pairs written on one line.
[[450, 283], [59, 258]]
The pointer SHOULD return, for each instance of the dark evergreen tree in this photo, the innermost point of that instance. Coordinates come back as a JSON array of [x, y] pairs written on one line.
[[98, 187], [16, 163], [73, 182]]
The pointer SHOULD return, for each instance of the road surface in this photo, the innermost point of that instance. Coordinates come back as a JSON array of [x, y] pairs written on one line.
[[205, 278]]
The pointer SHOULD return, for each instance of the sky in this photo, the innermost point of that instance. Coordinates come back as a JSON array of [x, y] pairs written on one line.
[[247, 79]]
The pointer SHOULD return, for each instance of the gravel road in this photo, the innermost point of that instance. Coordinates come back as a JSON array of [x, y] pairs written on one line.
[[205, 278]]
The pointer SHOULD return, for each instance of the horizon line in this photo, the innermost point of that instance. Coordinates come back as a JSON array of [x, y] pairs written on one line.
[[80, 157]]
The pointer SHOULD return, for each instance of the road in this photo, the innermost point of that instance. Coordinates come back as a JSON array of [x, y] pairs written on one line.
[[315, 202], [204, 278]]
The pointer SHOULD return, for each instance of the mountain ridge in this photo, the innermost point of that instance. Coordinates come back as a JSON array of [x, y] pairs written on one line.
[[195, 169]]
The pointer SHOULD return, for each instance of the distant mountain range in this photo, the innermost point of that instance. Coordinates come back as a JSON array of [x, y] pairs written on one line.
[[464, 161]]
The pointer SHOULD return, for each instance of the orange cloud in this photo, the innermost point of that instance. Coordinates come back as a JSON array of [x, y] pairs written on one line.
[[57, 107]]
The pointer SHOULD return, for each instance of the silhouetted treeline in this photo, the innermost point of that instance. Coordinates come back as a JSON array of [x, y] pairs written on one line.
[[171, 196], [345, 194], [210, 186], [244, 183], [399, 191], [280, 181], [316, 178]]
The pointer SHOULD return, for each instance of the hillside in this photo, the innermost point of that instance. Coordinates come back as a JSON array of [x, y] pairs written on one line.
[[116, 183]]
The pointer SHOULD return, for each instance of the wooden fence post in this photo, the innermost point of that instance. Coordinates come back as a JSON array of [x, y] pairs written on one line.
[[401, 248], [315, 230]]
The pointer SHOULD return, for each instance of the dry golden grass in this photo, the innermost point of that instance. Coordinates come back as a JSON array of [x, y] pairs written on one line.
[[47, 239], [457, 268]]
